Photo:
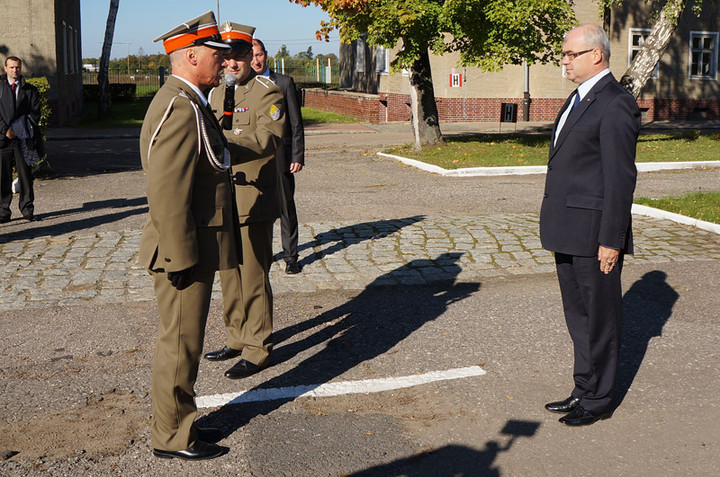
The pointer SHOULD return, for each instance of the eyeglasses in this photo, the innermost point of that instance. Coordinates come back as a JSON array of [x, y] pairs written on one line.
[[571, 55]]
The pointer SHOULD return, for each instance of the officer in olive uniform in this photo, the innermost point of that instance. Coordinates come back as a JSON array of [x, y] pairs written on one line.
[[252, 116], [191, 230]]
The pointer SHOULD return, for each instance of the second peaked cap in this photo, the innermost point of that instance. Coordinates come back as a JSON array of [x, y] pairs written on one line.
[[237, 36]]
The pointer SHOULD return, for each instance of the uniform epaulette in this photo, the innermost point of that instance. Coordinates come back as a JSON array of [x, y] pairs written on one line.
[[263, 80]]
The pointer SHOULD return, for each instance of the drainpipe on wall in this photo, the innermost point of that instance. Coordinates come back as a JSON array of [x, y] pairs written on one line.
[[526, 92]]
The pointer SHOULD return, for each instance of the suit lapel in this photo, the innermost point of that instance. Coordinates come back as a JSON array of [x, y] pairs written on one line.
[[577, 112]]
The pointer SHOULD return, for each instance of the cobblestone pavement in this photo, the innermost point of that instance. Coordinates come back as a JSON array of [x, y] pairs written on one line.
[[74, 269]]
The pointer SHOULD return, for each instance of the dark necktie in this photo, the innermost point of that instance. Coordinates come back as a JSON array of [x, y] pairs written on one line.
[[576, 101], [13, 86]]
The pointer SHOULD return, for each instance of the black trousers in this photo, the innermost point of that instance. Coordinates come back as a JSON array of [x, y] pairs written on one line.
[[10, 157], [592, 302], [288, 216]]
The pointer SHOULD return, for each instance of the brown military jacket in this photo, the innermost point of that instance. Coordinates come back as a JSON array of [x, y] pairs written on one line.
[[257, 128], [191, 218]]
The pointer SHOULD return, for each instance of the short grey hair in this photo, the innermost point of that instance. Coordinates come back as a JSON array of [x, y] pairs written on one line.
[[595, 37]]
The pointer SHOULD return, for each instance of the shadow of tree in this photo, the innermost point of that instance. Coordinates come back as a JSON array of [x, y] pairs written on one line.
[[454, 460], [647, 306], [343, 237], [357, 331]]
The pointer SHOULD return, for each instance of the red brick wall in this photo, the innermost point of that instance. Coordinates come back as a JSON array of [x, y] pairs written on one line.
[[386, 107]]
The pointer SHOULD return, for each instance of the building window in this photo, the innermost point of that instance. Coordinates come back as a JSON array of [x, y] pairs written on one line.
[[65, 49], [703, 55], [382, 59], [360, 55], [637, 40]]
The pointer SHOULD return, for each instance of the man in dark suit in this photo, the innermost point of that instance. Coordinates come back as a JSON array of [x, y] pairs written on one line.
[[290, 156], [585, 217], [19, 106]]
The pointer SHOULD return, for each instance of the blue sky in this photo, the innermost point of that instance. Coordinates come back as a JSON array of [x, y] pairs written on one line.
[[138, 22]]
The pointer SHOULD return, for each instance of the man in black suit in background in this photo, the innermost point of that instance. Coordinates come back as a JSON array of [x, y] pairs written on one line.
[[585, 217], [290, 156]]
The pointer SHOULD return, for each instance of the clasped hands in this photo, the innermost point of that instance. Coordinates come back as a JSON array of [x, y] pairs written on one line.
[[181, 279]]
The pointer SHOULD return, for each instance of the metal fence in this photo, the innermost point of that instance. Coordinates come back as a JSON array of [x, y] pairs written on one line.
[[147, 81]]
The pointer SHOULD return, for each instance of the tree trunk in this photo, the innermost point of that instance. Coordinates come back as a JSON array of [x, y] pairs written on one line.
[[654, 46], [104, 85], [426, 127]]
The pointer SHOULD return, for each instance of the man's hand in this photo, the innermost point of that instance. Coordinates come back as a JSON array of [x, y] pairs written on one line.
[[608, 258], [181, 279], [295, 167], [10, 133]]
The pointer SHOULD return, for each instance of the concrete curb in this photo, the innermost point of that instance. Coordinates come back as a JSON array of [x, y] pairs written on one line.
[[680, 219], [524, 170]]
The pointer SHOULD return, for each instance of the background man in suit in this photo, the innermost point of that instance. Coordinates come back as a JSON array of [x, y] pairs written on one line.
[[290, 156], [18, 101], [585, 217], [190, 231], [255, 125]]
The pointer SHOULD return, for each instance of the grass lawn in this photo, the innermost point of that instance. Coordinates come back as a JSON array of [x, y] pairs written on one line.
[[132, 114], [121, 114], [532, 150], [698, 205], [313, 116]]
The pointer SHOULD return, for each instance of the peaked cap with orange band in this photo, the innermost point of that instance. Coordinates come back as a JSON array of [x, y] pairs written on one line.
[[202, 30], [239, 37]]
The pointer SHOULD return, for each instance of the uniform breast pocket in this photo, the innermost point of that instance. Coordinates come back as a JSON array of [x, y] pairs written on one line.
[[240, 117]]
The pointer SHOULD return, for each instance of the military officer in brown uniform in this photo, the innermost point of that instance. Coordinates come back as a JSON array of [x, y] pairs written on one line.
[[190, 231], [253, 118]]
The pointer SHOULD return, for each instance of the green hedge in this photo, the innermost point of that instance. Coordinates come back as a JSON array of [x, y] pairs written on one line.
[[41, 83]]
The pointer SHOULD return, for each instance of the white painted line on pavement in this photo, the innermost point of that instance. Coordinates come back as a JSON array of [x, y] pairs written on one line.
[[681, 219], [523, 170], [336, 389]]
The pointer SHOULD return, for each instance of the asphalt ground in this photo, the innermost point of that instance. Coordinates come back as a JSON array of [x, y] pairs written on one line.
[[76, 360]]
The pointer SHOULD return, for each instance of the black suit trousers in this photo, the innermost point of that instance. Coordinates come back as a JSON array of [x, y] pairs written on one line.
[[592, 302], [288, 216], [11, 156]]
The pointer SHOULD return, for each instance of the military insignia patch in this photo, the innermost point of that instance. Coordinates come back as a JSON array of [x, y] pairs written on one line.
[[237, 131], [274, 112], [242, 110]]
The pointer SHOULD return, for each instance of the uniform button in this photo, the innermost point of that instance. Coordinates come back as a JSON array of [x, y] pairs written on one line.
[[167, 260]]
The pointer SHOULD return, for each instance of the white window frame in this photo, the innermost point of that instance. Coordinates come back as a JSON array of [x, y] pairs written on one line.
[[714, 55], [644, 32], [382, 56], [360, 55]]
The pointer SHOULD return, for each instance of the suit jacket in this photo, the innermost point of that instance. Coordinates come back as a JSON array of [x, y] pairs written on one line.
[[293, 149], [591, 174], [191, 222], [27, 103], [257, 126]]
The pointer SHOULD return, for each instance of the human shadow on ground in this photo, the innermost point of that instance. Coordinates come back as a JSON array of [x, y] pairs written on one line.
[[455, 460], [361, 329], [343, 237], [39, 229], [647, 306]]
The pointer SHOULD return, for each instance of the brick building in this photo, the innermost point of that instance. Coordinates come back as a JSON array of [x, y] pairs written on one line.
[[46, 36], [684, 86]]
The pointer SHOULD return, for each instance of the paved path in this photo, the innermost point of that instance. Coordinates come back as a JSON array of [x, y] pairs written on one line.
[[102, 267]]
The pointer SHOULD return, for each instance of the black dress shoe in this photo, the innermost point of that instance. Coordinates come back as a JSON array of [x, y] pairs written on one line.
[[243, 369], [291, 268], [198, 451], [223, 354], [32, 218], [209, 434], [582, 417], [563, 406]]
